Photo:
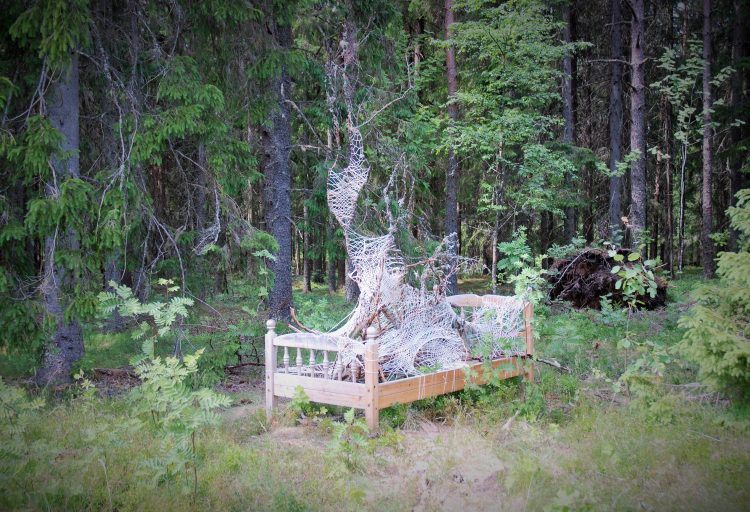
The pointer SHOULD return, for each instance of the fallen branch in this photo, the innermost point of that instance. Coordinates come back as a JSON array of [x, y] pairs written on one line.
[[231, 367], [303, 326], [115, 372], [507, 425], [554, 364]]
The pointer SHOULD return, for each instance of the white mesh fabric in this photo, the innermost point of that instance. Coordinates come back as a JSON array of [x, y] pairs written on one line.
[[418, 329]]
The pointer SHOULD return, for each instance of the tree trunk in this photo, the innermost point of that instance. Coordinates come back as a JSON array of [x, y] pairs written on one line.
[[352, 288], [66, 346], [739, 93], [306, 262], [495, 229], [615, 122], [681, 222], [668, 163], [278, 182], [568, 98], [331, 255], [451, 178], [341, 271], [707, 245], [637, 217]]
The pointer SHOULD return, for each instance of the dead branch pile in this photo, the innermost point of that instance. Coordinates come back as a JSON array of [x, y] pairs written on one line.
[[582, 279]]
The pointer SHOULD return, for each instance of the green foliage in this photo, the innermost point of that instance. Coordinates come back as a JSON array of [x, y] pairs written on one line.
[[262, 246], [509, 57], [163, 314], [18, 413], [531, 283], [54, 28], [646, 373], [682, 77], [557, 251], [43, 215], [516, 254], [348, 445], [533, 406], [636, 277], [717, 325], [301, 406], [165, 403]]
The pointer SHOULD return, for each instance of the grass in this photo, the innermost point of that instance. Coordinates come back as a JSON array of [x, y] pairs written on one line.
[[567, 442]]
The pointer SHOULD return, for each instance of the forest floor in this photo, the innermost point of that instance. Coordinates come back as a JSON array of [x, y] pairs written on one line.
[[571, 441]]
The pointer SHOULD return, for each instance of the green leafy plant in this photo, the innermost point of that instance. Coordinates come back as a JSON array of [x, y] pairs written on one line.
[[166, 403], [533, 406], [609, 313], [558, 252], [636, 277], [301, 406], [163, 314], [531, 283], [348, 444], [646, 372], [516, 254], [18, 413]]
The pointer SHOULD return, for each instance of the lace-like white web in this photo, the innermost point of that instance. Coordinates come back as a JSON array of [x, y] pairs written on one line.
[[419, 330]]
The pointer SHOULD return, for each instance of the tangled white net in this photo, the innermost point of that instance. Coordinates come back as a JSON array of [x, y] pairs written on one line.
[[418, 329]]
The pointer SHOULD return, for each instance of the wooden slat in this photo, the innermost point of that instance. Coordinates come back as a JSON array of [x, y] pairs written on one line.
[[310, 341], [466, 300], [405, 391], [372, 376], [345, 394]]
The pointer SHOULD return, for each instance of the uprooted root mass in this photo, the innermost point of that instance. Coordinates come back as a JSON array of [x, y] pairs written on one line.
[[584, 278]]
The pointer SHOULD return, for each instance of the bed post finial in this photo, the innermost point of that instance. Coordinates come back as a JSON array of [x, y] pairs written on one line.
[[270, 356], [372, 373]]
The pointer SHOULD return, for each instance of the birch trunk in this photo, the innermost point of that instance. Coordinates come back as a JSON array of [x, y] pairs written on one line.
[[707, 245]]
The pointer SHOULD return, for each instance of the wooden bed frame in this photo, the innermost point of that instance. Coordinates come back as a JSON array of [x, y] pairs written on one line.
[[323, 383]]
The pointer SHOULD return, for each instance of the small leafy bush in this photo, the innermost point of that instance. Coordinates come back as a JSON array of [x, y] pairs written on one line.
[[349, 445], [533, 405], [516, 254], [636, 277], [166, 404], [18, 413], [163, 314]]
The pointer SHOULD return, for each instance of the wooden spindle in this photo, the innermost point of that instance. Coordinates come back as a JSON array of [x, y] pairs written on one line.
[[312, 363], [270, 366], [339, 368], [325, 364], [372, 373], [298, 361], [528, 317], [286, 359]]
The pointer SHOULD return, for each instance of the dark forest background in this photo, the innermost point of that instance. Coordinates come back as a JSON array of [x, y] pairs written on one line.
[[191, 141]]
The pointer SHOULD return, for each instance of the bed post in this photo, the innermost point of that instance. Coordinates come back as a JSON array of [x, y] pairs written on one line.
[[270, 365], [371, 379], [528, 316]]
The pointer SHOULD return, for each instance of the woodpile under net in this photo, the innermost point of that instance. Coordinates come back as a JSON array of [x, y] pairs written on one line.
[[418, 330]]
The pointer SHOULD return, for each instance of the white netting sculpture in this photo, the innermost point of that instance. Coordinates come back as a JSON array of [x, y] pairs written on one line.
[[418, 329]]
